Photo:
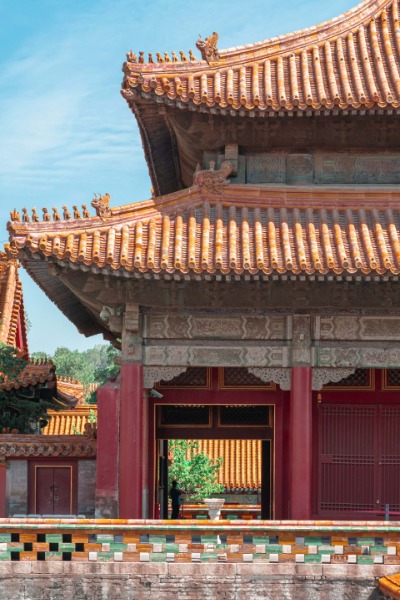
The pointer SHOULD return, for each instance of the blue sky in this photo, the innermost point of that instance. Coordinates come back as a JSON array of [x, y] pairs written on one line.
[[66, 132]]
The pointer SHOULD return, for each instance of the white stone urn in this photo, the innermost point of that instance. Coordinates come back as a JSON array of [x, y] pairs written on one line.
[[214, 506]]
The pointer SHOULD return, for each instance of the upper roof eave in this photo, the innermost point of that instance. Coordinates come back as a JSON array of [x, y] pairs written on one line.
[[328, 67]]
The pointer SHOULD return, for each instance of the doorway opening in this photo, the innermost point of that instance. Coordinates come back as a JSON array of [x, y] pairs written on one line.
[[241, 435]]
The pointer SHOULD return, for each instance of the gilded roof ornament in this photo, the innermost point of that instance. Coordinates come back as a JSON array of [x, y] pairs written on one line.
[[101, 205], [66, 213], [208, 47], [35, 217], [56, 214], [15, 216], [211, 180], [131, 56], [86, 213], [25, 216]]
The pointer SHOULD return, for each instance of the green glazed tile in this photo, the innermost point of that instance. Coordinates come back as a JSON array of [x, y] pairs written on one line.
[[5, 556], [158, 556], [261, 557], [66, 547], [211, 539], [171, 548], [313, 540], [157, 539], [104, 538], [208, 556], [326, 550], [5, 537], [260, 539], [116, 547], [54, 538], [365, 560], [273, 548], [105, 556], [366, 541], [312, 558], [379, 549]]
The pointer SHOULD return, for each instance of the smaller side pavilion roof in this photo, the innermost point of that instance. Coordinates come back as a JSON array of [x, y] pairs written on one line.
[[36, 372], [12, 315]]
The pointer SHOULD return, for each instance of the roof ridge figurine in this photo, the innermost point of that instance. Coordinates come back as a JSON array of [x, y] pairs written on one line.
[[208, 47], [211, 180], [101, 205]]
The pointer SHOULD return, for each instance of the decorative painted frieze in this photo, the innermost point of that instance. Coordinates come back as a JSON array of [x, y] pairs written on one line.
[[360, 328], [216, 327], [216, 356], [323, 168], [373, 357]]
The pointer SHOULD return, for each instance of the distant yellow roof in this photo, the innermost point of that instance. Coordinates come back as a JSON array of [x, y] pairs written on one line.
[[241, 467], [69, 422]]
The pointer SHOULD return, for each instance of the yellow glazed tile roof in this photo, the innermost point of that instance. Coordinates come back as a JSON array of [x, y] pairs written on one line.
[[241, 467], [11, 302], [35, 372], [242, 231], [350, 62], [69, 422], [390, 586]]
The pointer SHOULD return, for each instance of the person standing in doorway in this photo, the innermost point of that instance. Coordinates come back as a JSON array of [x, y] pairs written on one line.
[[175, 495]]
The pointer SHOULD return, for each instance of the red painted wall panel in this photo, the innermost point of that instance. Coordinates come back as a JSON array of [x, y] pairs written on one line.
[[107, 437]]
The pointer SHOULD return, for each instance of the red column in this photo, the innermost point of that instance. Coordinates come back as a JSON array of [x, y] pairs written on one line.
[[131, 442], [107, 451], [301, 444], [145, 457], [3, 488]]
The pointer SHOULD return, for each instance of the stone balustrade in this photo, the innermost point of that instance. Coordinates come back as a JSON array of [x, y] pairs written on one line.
[[191, 541]]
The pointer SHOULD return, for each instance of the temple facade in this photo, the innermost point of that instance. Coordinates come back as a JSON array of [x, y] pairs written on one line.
[[256, 295]]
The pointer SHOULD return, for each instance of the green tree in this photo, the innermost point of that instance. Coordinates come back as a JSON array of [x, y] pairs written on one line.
[[195, 472], [20, 409], [95, 365]]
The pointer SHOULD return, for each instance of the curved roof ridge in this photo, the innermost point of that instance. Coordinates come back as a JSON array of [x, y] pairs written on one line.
[[226, 236], [352, 18]]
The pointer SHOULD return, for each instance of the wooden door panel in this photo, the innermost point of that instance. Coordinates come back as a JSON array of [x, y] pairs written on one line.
[[62, 490], [44, 490], [53, 489]]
